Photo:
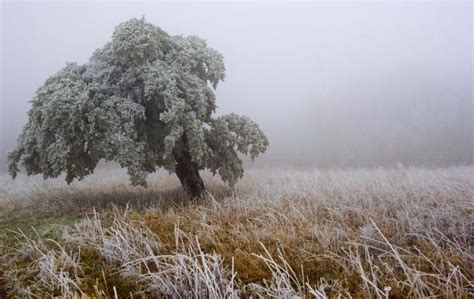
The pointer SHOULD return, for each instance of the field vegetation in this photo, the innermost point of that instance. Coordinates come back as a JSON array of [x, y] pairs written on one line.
[[361, 233]]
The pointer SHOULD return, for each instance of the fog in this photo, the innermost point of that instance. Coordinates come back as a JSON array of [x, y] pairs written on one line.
[[331, 84]]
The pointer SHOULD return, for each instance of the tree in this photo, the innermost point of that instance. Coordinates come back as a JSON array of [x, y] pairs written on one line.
[[144, 101]]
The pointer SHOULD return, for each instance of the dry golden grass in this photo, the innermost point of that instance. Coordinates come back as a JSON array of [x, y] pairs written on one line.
[[379, 233]]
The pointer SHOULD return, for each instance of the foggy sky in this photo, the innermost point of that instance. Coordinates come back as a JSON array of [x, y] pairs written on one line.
[[344, 84]]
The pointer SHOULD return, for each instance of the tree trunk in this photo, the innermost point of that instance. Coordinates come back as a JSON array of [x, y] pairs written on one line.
[[188, 174]]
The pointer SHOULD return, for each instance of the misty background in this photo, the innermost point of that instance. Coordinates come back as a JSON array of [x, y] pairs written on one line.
[[331, 84]]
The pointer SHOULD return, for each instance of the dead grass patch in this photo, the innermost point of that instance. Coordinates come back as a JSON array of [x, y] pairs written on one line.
[[377, 233]]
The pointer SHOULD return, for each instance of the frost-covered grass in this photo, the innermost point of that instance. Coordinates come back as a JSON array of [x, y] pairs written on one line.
[[378, 233]]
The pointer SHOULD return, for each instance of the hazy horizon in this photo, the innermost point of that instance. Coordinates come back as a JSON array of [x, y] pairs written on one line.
[[331, 84]]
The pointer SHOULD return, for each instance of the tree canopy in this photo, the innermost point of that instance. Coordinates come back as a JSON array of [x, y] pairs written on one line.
[[144, 100]]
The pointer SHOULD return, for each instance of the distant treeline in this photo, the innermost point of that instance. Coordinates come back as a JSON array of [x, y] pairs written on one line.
[[373, 133]]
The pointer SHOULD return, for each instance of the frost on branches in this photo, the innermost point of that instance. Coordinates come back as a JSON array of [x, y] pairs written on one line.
[[144, 100]]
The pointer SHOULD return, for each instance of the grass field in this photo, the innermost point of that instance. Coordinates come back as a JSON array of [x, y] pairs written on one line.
[[362, 233]]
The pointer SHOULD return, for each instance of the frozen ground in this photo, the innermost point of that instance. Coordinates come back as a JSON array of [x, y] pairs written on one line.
[[403, 232]]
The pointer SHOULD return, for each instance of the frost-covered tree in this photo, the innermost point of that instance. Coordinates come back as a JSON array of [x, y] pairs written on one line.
[[144, 100]]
